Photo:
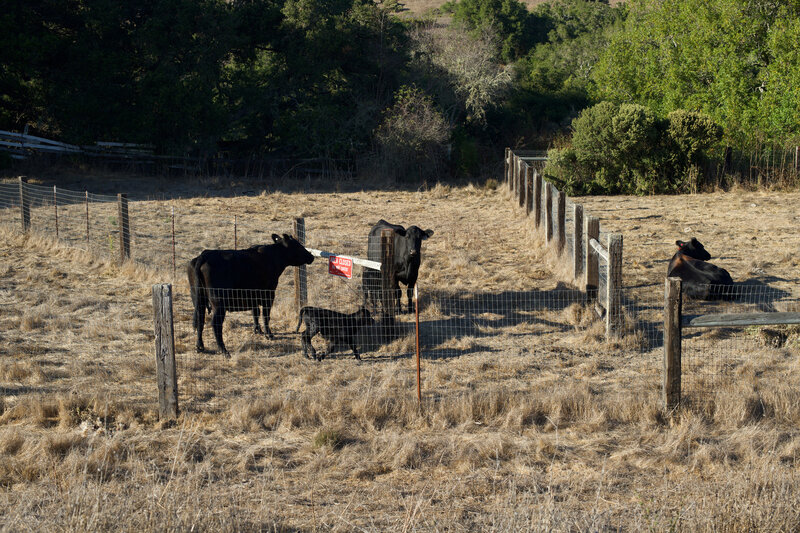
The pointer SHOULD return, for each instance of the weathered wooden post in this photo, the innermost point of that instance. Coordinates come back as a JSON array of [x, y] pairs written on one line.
[[24, 205], [507, 168], [388, 293], [614, 285], [561, 220], [124, 228], [529, 190], [300, 272], [548, 212], [523, 176], [591, 231], [515, 175], [577, 241], [167, 374], [537, 199], [672, 343]]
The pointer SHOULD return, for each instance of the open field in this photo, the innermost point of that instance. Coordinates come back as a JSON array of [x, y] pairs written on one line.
[[527, 424]]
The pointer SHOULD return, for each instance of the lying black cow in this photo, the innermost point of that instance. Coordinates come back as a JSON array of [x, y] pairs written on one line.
[[240, 280], [701, 280], [407, 257], [333, 327]]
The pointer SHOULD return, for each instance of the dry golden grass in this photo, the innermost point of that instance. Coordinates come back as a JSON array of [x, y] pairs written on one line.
[[535, 424]]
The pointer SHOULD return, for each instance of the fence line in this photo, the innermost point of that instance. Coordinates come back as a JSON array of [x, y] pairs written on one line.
[[569, 230], [693, 370]]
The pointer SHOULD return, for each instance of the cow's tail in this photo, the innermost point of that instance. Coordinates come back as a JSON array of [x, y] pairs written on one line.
[[300, 319]]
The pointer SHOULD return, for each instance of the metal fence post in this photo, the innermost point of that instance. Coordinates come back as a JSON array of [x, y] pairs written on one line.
[[300, 272], [672, 343], [124, 228], [24, 205], [167, 374]]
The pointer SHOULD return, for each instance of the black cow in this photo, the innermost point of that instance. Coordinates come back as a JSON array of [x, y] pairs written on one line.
[[240, 280], [701, 280], [407, 256], [332, 326]]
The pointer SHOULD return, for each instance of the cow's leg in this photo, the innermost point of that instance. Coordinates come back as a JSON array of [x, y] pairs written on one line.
[[268, 299], [199, 320], [410, 295], [256, 325], [217, 317], [397, 300]]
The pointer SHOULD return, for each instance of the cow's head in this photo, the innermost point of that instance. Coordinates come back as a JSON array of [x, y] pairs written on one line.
[[414, 237], [296, 253], [693, 248]]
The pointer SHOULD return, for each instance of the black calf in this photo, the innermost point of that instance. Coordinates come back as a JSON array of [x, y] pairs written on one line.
[[333, 326]]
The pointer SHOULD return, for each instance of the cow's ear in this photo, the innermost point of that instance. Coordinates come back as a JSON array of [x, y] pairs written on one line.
[[401, 232], [276, 237], [427, 233]]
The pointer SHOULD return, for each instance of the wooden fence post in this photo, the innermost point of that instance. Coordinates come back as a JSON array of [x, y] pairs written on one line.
[[529, 190], [300, 272], [124, 228], [561, 220], [577, 241], [591, 231], [515, 175], [507, 168], [548, 212], [167, 374], [24, 205], [523, 184], [388, 294], [672, 343], [537, 199], [614, 285]]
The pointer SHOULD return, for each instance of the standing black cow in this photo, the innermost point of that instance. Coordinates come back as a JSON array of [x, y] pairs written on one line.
[[240, 280], [701, 280], [407, 256]]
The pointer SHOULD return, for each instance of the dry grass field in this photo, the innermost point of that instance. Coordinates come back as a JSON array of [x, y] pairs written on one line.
[[534, 423]]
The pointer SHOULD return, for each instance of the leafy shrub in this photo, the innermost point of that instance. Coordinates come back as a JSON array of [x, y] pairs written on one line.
[[413, 136], [627, 149]]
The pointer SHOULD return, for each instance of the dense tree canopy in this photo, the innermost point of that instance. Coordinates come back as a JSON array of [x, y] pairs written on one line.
[[336, 78]]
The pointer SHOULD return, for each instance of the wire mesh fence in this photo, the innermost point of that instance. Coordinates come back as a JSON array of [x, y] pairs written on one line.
[[65, 343], [719, 361], [509, 327]]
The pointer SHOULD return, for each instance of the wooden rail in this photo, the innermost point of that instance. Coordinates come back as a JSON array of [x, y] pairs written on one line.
[[740, 320]]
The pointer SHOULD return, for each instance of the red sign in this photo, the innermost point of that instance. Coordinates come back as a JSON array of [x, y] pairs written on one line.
[[340, 266]]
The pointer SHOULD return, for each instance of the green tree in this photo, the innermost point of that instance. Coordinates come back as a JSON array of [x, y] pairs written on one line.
[[509, 19]]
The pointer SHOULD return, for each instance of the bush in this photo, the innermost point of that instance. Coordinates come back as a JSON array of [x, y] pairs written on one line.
[[413, 136], [627, 149]]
